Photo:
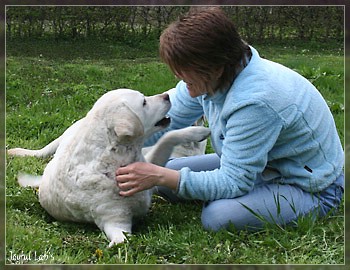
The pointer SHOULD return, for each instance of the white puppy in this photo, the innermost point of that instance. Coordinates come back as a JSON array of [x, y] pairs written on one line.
[[79, 184]]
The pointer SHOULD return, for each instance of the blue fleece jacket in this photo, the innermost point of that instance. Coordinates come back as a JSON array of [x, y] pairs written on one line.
[[270, 117]]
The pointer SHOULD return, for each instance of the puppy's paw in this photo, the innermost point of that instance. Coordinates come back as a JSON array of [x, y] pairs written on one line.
[[186, 135], [195, 134], [116, 231], [118, 238], [201, 133]]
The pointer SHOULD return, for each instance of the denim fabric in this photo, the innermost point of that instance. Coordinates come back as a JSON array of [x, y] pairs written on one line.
[[195, 163], [268, 202]]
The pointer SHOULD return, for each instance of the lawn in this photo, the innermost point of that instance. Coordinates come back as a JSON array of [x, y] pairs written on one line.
[[50, 85]]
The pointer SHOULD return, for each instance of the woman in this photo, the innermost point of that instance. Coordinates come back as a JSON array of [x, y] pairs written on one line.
[[278, 154]]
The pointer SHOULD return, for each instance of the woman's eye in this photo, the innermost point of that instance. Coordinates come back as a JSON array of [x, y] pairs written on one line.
[[144, 102]]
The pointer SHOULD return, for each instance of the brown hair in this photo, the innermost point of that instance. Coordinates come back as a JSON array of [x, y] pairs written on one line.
[[204, 40]]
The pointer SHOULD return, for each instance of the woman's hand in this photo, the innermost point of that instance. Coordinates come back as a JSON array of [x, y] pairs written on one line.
[[140, 176]]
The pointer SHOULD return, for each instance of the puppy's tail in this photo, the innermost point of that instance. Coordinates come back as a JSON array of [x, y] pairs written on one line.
[[27, 180], [48, 150]]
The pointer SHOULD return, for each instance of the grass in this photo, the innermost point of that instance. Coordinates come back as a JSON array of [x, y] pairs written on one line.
[[51, 85]]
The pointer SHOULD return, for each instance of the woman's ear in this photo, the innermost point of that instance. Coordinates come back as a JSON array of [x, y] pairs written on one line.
[[218, 73]]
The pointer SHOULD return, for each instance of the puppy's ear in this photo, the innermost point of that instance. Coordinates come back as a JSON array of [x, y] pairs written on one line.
[[127, 125]]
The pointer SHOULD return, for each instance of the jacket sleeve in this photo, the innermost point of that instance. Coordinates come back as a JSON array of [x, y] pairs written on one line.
[[251, 131]]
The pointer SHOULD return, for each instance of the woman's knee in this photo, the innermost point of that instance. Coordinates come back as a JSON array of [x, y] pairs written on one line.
[[198, 163], [210, 217], [222, 214]]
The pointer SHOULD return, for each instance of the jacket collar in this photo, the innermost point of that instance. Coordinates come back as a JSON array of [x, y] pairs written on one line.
[[220, 96]]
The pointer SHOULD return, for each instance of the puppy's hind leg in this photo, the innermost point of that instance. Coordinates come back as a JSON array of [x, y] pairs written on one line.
[[48, 150]]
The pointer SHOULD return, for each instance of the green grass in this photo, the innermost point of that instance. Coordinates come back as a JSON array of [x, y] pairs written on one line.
[[51, 85]]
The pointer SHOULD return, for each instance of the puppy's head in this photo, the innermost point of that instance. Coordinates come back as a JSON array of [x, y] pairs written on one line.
[[132, 115]]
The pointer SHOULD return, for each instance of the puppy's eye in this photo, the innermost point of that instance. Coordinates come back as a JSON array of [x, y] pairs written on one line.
[[144, 102]]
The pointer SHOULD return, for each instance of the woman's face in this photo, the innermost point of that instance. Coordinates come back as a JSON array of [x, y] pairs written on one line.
[[197, 84]]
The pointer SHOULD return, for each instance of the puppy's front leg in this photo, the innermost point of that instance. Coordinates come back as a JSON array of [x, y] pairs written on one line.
[[115, 232], [113, 219], [162, 150]]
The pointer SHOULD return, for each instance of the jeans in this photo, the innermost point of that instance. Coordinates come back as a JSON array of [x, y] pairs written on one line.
[[268, 202]]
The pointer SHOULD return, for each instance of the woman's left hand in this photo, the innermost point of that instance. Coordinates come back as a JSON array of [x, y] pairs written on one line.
[[140, 176]]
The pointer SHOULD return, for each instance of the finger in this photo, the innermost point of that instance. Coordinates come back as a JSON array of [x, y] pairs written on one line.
[[127, 193], [126, 185], [122, 170], [123, 178]]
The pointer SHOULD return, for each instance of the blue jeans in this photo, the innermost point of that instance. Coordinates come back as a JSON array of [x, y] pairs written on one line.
[[268, 202]]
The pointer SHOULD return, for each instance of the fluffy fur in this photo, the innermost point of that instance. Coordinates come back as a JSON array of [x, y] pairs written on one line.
[[79, 185]]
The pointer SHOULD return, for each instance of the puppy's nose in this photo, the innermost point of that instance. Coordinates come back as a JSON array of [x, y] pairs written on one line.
[[166, 97]]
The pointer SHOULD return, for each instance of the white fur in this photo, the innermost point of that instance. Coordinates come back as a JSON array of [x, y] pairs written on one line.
[[79, 184]]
